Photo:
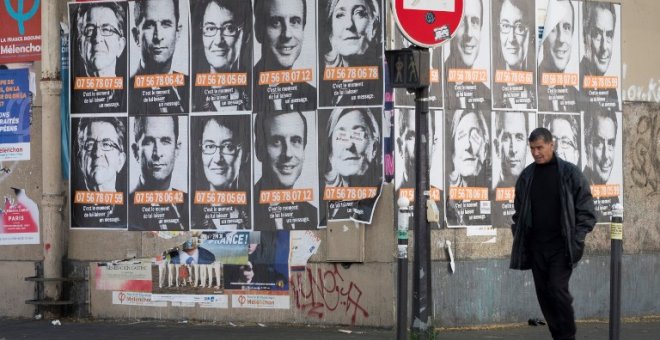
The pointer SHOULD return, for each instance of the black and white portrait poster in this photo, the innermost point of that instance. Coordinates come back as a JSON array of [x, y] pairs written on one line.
[[221, 179], [514, 54], [350, 44], [600, 55], [285, 55], [99, 176], [603, 160], [350, 168], [404, 155], [467, 63], [99, 48], [559, 59], [403, 98], [159, 57], [221, 55], [285, 171], [467, 168], [566, 129], [158, 171], [511, 155]]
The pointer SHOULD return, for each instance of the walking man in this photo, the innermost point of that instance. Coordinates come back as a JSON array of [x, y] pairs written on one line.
[[554, 213]]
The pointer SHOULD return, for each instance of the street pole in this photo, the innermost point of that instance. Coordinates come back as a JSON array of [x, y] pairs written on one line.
[[422, 303], [402, 268], [616, 236]]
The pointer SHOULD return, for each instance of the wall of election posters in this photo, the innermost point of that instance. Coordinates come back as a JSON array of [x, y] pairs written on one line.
[[196, 115]]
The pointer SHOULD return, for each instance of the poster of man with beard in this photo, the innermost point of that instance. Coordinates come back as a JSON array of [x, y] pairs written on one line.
[[467, 168], [221, 172], [350, 168], [285, 55], [98, 41], [510, 157], [350, 44], [600, 57], [467, 64], [603, 165], [285, 171], [99, 172], [158, 170], [514, 54], [221, 39]]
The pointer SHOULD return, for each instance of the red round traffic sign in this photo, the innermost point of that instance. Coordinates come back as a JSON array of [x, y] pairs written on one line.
[[428, 23]]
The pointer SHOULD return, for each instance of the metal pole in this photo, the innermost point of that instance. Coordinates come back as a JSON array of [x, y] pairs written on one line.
[[616, 236], [422, 303], [402, 268]]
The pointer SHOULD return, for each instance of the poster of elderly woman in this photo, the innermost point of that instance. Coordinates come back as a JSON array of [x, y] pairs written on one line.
[[350, 40], [350, 168]]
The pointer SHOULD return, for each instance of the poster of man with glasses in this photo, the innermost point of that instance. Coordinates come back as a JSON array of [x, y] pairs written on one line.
[[98, 172], [221, 172], [98, 41], [514, 54], [221, 35], [566, 129]]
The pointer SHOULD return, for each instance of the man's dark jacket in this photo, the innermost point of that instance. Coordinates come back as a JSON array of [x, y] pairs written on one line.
[[577, 214]]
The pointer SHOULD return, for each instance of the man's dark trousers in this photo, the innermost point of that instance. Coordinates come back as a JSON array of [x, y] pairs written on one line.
[[552, 272]]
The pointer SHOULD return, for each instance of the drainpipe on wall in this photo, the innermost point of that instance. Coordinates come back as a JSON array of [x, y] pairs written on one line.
[[52, 200]]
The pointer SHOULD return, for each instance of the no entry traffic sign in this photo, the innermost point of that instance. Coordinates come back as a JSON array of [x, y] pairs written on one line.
[[428, 23]]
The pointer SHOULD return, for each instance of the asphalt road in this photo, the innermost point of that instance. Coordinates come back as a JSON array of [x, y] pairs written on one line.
[[10, 329]]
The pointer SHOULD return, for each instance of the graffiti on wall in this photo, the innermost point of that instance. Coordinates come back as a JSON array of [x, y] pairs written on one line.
[[646, 154], [638, 92], [325, 291]]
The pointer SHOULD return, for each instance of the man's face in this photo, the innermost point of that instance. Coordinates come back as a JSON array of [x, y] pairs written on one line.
[[157, 149], [469, 146], [352, 27], [599, 40], [220, 155], [101, 41], [514, 35], [513, 143], [159, 32], [102, 166], [352, 145], [408, 136], [284, 32], [285, 146], [602, 150], [541, 150], [220, 49], [468, 38], [557, 45], [565, 141]]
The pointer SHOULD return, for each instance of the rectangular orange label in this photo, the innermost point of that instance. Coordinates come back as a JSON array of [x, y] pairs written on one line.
[[514, 77], [505, 194], [158, 197], [221, 79], [559, 79], [351, 73], [605, 190], [286, 76], [468, 194], [98, 197], [291, 195], [435, 75], [144, 81], [409, 193], [461, 75], [221, 197], [98, 83], [600, 82], [349, 193]]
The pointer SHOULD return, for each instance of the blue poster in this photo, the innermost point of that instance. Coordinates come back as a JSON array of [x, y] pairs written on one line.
[[15, 115]]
